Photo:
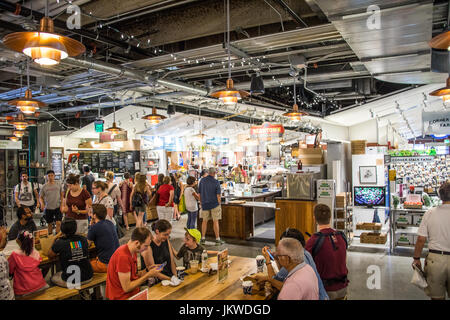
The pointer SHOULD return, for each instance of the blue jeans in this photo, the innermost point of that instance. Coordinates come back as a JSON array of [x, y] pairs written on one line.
[[192, 219]]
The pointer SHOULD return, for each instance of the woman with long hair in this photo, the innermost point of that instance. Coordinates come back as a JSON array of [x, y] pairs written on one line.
[[178, 191], [76, 203], [126, 187], [24, 266], [160, 250], [139, 198], [114, 192]]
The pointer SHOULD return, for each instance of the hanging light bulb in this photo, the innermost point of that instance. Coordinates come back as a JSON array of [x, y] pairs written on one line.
[[19, 122], [229, 95], [44, 46], [154, 118], [18, 133], [27, 105]]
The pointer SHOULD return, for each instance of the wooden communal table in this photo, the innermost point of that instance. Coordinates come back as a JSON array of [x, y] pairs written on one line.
[[201, 286]]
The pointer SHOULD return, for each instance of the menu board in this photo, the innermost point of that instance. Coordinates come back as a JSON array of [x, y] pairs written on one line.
[[122, 158], [95, 162], [222, 265], [102, 162], [129, 162], [109, 161], [118, 162], [115, 161]]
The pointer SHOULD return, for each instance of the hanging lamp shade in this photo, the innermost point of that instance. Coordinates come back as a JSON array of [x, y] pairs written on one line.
[[114, 129], [444, 93], [295, 114], [441, 41], [154, 118], [229, 95], [19, 122], [18, 133], [45, 46], [27, 105], [13, 138]]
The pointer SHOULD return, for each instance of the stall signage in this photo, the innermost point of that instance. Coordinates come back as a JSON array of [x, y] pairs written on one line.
[[412, 159], [436, 122], [267, 129], [173, 144], [111, 137], [98, 124], [152, 143], [8, 144], [217, 141]]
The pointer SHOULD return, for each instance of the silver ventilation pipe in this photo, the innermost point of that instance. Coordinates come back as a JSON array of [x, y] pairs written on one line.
[[133, 74]]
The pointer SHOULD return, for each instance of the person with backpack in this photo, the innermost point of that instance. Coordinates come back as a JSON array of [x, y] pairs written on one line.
[[114, 193], [328, 248], [26, 193], [139, 199], [87, 180], [165, 195], [126, 186]]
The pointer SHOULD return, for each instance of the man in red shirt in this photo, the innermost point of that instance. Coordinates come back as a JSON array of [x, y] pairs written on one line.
[[329, 250], [123, 280]]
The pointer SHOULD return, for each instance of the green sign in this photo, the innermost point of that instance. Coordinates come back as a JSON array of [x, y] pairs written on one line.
[[447, 141], [99, 125]]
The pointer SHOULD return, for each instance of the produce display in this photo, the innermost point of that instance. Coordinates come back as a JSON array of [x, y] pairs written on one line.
[[411, 153]]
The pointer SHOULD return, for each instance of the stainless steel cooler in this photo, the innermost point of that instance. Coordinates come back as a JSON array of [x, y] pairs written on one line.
[[302, 185]]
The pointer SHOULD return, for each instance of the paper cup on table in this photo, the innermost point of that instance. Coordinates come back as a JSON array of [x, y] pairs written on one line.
[[193, 264], [260, 264], [180, 273], [247, 287]]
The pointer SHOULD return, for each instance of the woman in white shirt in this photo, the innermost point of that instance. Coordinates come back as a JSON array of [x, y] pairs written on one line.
[[101, 197], [190, 198]]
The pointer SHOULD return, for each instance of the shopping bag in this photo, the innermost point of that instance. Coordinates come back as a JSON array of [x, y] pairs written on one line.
[[182, 205], [418, 278]]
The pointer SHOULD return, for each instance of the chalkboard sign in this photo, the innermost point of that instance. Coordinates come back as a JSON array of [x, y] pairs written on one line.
[[95, 162], [109, 161], [129, 162], [115, 162], [102, 162]]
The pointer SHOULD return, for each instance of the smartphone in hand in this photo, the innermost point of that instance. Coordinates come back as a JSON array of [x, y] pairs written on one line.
[[270, 254], [162, 266]]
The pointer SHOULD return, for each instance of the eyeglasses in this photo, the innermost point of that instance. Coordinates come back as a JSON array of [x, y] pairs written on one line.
[[277, 256]]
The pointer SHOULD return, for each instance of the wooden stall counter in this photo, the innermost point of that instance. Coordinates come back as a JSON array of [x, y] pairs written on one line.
[[293, 213]]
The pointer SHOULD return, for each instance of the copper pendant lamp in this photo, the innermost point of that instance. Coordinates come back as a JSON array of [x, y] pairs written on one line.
[[44, 46], [444, 93], [114, 129], [295, 114], [18, 133], [13, 138], [19, 122], [27, 105], [154, 118], [229, 95], [441, 41]]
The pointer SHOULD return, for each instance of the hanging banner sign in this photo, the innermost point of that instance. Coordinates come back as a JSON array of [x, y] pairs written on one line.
[[412, 159], [217, 141], [267, 129], [436, 122], [111, 137], [8, 144]]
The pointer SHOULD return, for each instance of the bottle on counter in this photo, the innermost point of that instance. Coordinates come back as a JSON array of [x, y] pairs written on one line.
[[204, 260]]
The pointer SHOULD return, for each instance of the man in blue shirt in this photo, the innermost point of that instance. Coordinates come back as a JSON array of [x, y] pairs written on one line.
[[103, 233], [210, 198]]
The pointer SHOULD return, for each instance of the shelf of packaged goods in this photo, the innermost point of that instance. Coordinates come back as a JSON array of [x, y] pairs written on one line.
[[410, 230], [423, 210], [406, 225]]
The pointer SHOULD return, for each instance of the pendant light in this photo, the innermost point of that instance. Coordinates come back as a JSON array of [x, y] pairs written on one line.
[[114, 129], [13, 138], [18, 133], [229, 95], [19, 122], [444, 93], [44, 46], [154, 118], [27, 105], [442, 41], [295, 114]]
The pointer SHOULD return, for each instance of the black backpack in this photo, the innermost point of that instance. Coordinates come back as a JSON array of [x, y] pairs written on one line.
[[319, 242], [138, 200]]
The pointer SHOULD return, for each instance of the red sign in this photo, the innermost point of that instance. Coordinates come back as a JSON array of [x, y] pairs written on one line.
[[267, 129], [110, 137]]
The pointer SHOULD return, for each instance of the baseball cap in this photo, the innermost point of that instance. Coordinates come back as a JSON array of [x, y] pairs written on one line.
[[195, 234]]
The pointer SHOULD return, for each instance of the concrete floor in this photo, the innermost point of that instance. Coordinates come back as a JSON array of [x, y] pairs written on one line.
[[395, 271]]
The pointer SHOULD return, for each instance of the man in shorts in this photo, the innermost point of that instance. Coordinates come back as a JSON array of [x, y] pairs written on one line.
[[51, 197], [435, 227], [210, 198]]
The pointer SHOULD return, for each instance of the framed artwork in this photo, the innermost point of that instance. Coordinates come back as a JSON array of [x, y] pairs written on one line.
[[368, 175]]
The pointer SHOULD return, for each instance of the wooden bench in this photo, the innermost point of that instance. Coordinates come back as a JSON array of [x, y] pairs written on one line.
[[59, 293]]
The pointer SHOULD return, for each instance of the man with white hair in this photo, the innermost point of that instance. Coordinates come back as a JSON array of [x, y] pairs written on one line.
[[210, 198], [301, 282]]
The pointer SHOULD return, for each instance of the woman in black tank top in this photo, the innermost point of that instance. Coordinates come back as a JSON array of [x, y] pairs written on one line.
[[160, 250]]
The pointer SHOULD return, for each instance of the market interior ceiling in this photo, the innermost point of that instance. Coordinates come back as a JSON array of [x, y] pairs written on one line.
[[171, 54]]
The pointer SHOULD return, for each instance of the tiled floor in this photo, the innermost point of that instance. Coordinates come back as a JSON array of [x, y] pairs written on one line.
[[395, 271]]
